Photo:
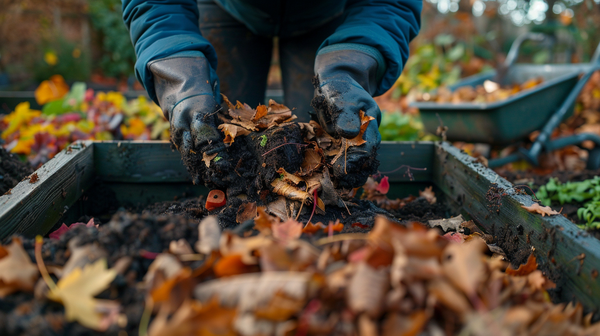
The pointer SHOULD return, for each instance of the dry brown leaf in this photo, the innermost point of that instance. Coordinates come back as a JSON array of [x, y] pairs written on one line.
[[279, 208], [428, 194], [76, 292], [542, 210], [249, 292], [17, 272], [367, 289], [232, 264], [312, 161], [289, 191], [289, 178], [261, 111], [288, 230], [246, 211], [82, 255], [164, 267], [364, 123], [209, 235], [231, 131], [180, 246], [239, 111], [524, 269], [449, 296], [280, 308], [194, 318], [464, 266], [246, 247], [397, 324], [264, 222], [208, 158]]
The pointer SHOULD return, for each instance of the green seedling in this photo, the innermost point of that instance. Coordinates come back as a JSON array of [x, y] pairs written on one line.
[[216, 159], [263, 140], [587, 191]]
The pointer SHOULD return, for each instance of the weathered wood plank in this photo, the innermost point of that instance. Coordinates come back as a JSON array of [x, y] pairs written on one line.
[[138, 161], [33, 208], [155, 161], [568, 255]]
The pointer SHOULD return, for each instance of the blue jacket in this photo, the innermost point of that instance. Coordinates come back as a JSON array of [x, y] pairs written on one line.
[[383, 28]]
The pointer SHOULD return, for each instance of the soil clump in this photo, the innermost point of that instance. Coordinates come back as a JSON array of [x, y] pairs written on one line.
[[12, 170]]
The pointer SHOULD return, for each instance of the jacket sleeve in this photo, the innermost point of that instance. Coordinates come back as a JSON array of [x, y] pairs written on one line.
[[382, 29], [164, 28]]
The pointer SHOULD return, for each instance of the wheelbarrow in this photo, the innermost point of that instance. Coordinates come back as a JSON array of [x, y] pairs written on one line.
[[511, 120]]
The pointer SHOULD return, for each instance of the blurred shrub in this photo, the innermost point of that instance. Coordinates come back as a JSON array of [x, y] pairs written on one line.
[[117, 53], [58, 56]]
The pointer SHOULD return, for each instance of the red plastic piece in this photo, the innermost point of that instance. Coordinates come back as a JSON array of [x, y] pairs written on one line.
[[215, 199]]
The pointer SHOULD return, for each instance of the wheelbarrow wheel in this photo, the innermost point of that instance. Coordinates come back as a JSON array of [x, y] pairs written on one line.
[[593, 162]]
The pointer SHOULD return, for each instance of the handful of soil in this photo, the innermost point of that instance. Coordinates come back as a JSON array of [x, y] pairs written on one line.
[[269, 154]]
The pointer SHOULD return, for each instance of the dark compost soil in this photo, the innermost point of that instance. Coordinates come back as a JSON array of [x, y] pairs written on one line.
[[12, 170]]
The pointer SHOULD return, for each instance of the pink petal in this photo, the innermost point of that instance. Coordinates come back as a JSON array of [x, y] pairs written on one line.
[[384, 186], [59, 232]]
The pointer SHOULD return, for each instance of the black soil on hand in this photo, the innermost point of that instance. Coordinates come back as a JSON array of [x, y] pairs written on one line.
[[250, 164], [12, 170]]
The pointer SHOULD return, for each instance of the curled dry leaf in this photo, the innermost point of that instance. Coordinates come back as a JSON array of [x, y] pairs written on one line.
[[246, 211], [180, 246], [209, 235], [76, 292], [195, 318], [208, 158], [289, 191], [289, 178], [452, 223], [288, 230], [249, 292], [428, 194], [231, 131], [542, 210], [261, 111], [17, 272], [367, 289], [463, 265], [524, 269], [164, 267]]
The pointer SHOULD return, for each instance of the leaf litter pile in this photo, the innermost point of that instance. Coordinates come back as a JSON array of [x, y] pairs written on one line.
[[291, 252]]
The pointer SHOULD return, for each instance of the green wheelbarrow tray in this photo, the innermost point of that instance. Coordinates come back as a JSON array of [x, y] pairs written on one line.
[[508, 121]]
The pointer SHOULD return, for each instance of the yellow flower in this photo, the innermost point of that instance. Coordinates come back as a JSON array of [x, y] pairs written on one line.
[[50, 58], [19, 118], [23, 146], [50, 90], [76, 53], [135, 129]]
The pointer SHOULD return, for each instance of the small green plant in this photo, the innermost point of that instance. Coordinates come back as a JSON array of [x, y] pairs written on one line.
[[263, 140], [587, 191], [216, 159], [590, 212]]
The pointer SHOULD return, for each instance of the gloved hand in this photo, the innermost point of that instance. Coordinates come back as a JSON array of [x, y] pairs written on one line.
[[344, 84], [188, 100]]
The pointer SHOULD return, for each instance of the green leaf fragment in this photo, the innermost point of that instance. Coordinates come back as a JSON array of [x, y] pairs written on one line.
[[216, 159], [263, 140]]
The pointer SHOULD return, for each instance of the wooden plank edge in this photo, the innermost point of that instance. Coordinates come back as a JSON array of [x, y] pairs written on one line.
[[567, 254], [33, 208]]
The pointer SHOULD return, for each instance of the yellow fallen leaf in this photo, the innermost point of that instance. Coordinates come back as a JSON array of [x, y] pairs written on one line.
[[20, 117], [51, 90], [77, 289]]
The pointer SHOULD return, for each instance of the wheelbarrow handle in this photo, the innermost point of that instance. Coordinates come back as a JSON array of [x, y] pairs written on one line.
[[513, 53], [543, 138]]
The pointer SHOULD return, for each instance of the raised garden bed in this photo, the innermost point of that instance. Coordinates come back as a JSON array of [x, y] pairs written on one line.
[[141, 173]]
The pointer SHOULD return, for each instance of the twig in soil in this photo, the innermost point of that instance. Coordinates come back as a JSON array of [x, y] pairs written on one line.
[[408, 168], [300, 211], [528, 187], [314, 206], [342, 237], [39, 241], [287, 143], [345, 156]]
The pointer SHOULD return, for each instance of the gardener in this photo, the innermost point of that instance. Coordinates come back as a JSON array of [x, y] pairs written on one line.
[[357, 49]]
